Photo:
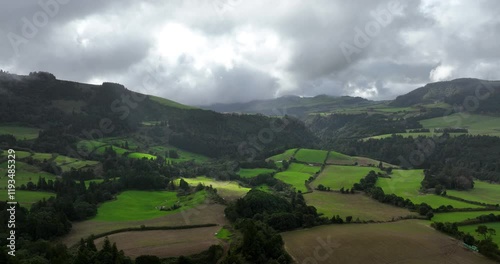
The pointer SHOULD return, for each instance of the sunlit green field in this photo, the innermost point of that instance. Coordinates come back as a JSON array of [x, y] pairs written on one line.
[[406, 183], [142, 205], [250, 173], [471, 229], [20, 132], [482, 192], [296, 179], [183, 155], [226, 189], [460, 216], [311, 155], [337, 176], [339, 158], [476, 124], [137, 155], [283, 156]]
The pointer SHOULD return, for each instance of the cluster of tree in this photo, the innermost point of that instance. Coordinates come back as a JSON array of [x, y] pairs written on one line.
[[452, 162], [260, 244], [276, 211], [451, 130], [346, 126], [486, 246]]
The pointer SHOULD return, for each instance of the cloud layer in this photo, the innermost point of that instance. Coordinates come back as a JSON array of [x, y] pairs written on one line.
[[201, 52]]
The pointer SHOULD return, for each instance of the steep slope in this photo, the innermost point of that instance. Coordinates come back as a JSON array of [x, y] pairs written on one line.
[[455, 92], [70, 111]]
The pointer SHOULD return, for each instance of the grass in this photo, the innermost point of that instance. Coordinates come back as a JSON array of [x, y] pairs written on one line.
[[339, 158], [311, 155], [170, 103], [283, 156], [224, 234], [24, 174], [226, 189], [406, 183], [471, 229], [250, 173], [299, 167], [20, 132], [43, 156], [476, 124], [336, 176], [460, 216], [410, 241], [138, 155], [482, 192], [296, 179], [19, 154], [264, 188], [26, 198], [355, 205], [141, 205], [183, 155]]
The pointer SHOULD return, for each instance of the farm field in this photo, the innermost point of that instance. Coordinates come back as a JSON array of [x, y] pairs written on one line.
[[299, 167], [471, 229], [164, 243], [24, 174], [296, 179], [283, 156], [183, 155], [250, 173], [476, 124], [20, 132], [19, 154], [410, 241], [406, 183], [138, 155], [337, 158], [336, 176], [460, 216], [26, 198], [482, 192], [143, 205], [311, 155], [204, 213], [355, 205], [228, 190]]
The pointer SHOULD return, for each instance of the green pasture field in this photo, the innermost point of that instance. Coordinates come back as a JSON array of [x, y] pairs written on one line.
[[406, 183], [226, 189], [299, 167], [183, 155], [482, 192], [311, 155], [336, 176], [18, 153], [142, 205], [43, 156], [224, 234], [476, 124], [460, 216], [296, 179], [283, 156], [20, 132], [471, 229], [170, 103], [339, 158], [24, 174], [26, 198], [250, 173], [138, 155], [355, 205]]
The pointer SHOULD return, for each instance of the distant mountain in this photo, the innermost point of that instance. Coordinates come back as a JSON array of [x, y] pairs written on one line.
[[293, 105], [455, 92], [69, 111]]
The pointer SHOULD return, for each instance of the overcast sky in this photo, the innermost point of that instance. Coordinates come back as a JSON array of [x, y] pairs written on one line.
[[201, 52]]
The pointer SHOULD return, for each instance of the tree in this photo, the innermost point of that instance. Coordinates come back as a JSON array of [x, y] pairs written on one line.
[[348, 219], [183, 185], [486, 232]]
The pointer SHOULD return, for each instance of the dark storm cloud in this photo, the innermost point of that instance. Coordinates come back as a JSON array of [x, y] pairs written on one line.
[[201, 52]]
